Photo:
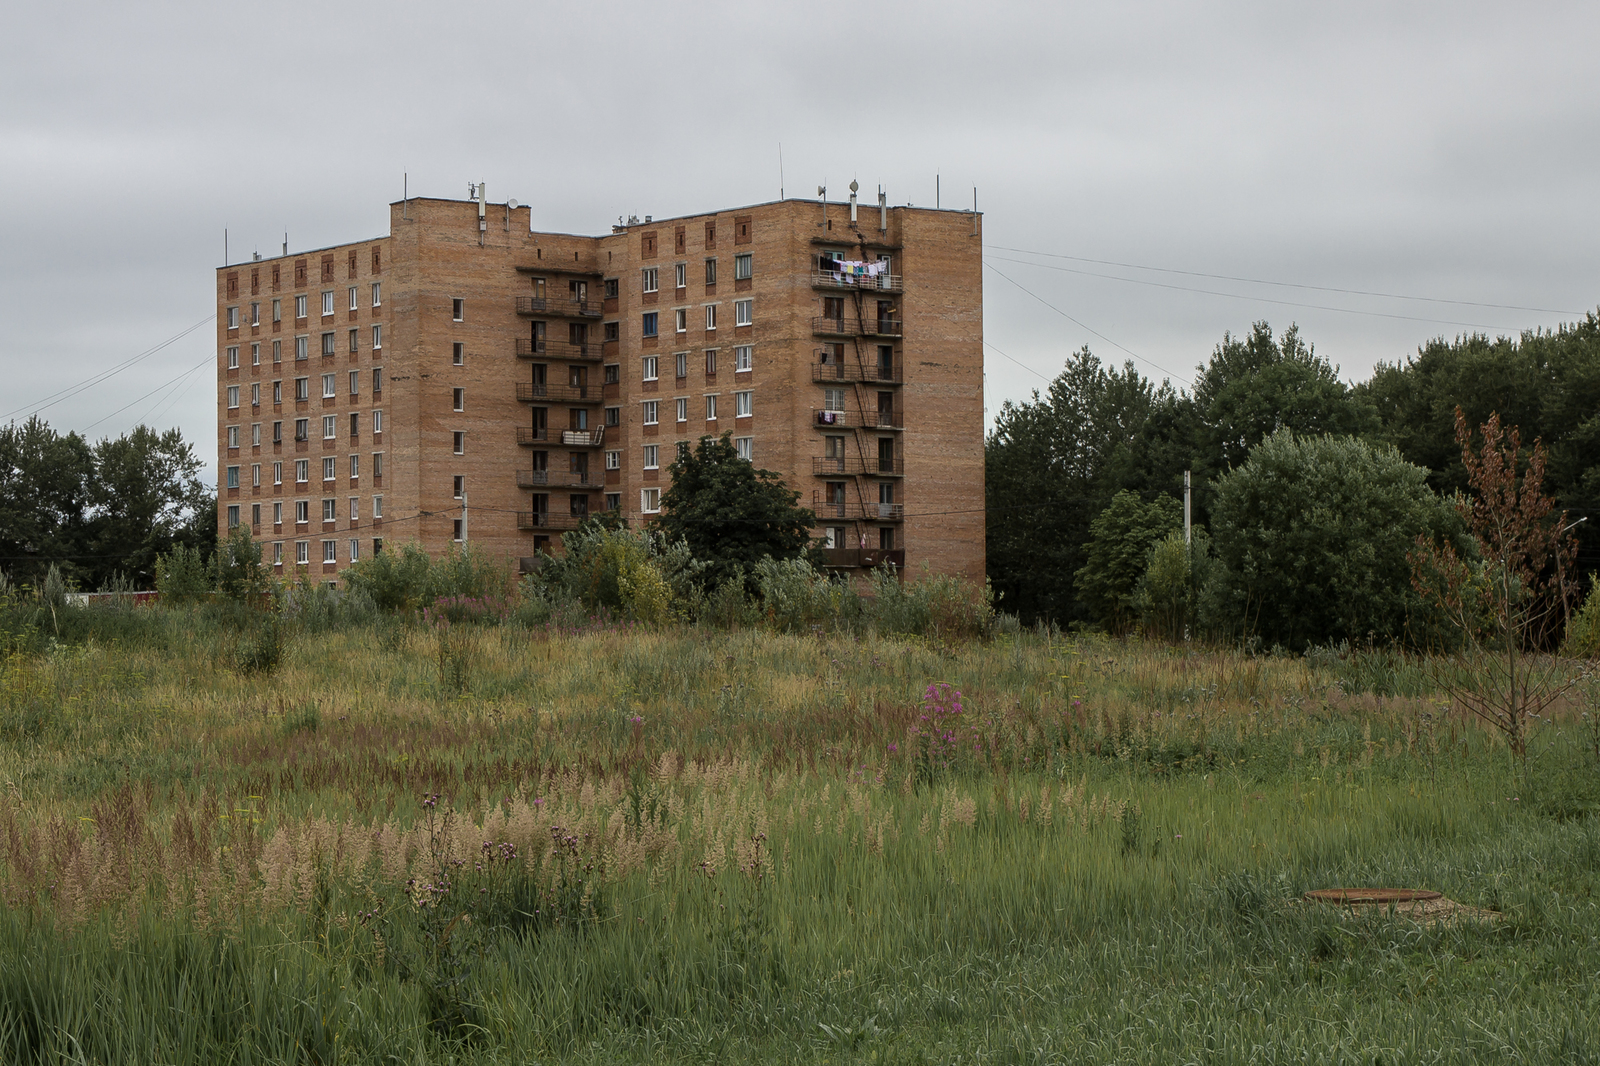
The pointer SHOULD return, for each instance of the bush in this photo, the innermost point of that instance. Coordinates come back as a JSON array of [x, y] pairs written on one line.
[[939, 605], [260, 649], [635, 574], [1119, 553], [796, 596], [1583, 630], [182, 576]]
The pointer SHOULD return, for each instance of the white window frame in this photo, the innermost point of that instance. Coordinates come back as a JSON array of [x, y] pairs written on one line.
[[330, 427], [458, 309], [682, 363], [330, 510], [680, 319], [614, 460], [327, 303], [233, 438], [277, 513], [255, 353], [330, 551], [355, 550], [650, 500], [743, 312], [711, 407], [277, 473], [744, 266], [355, 383], [377, 464], [233, 318], [353, 290], [302, 552], [650, 278], [233, 397], [652, 456], [329, 385], [652, 412], [300, 308], [255, 437], [330, 468], [743, 404], [377, 294], [377, 421], [302, 347], [302, 471], [711, 318], [683, 408], [277, 553], [302, 512], [255, 475], [377, 506], [745, 448], [680, 274], [233, 357], [743, 358], [255, 394], [651, 366], [355, 508], [833, 399], [377, 337], [355, 466]]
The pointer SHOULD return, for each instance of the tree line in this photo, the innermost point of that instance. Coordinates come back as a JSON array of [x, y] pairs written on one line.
[[102, 513], [1307, 493]]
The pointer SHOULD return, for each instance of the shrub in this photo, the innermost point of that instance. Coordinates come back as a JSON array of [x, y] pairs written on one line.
[[1118, 554], [182, 576], [260, 649], [1583, 630], [397, 580], [795, 596]]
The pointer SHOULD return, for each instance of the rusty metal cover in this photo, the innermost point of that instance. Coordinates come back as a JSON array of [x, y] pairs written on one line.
[[1371, 895]]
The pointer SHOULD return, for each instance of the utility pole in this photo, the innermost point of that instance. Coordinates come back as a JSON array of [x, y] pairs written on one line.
[[463, 516], [1188, 531]]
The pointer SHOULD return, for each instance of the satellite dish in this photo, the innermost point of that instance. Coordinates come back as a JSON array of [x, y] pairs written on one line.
[[511, 204], [822, 190]]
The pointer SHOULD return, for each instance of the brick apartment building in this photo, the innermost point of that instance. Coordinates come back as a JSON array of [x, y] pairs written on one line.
[[466, 377]]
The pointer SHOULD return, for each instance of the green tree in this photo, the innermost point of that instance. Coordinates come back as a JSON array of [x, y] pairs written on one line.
[[1312, 536], [731, 514], [147, 496], [1120, 540], [44, 496], [236, 567]]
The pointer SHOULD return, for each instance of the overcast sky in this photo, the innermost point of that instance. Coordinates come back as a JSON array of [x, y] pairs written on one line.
[[1440, 151]]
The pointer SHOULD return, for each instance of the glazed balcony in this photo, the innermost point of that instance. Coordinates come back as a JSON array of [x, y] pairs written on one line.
[[870, 466], [588, 480], [824, 326], [569, 394], [565, 351], [564, 306], [849, 370]]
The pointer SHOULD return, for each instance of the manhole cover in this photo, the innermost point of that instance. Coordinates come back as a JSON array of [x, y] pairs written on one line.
[[1372, 895]]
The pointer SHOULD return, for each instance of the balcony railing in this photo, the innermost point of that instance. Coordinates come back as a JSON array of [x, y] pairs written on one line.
[[832, 279], [589, 307], [868, 557], [872, 419], [589, 351], [825, 326], [526, 435], [583, 438], [543, 520], [577, 394], [850, 370], [592, 480], [856, 510], [869, 466]]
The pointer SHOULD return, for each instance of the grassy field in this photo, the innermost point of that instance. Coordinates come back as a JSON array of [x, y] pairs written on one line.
[[616, 844]]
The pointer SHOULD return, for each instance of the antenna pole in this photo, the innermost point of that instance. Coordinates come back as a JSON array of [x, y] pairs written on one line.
[[224, 245], [780, 170], [1188, 529], [405, 195], [936, 190], [974, 210], [463, 515]]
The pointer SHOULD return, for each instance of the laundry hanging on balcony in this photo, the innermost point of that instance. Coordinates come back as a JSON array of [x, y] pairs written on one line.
[[856, 268]]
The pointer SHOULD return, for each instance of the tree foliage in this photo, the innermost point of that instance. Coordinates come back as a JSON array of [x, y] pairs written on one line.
[[730, 514], [1120, 540]]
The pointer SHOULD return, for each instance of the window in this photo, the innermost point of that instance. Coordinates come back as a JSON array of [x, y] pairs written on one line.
[[377, 507], [650, 500], [233, 436], [233, 396], [683, 408], [377, 464], [354, 341], [649, 368], [330, 551], [330, 510], [302, 552], [649, 324], [649, 277], [743, 267], [455, 529], [613, 416], [255, 354], [277, 432], [711, 317], [613, 331], [277, 311], [377, 294], [233, 358], [302, 470], [377, 379], [458, 442], [355, 467], [458, 487], [330, 427], [458, 354], [612, 288], [255, 483], [233, 515], [613, 501], [302, 389], [681, 274], [352, 297], [711, 362], [255, 394], [255, 314], [277, 553], [277, 392], [711, 271], [355, 548], [711, 408], [277, 514], [329, 469], [458, 399], [233, 318], [302, 512], [327, 344], [327, 386], [743, 403], [377, 421], [327, 302], [302, 429], [613, 373], [613, 460], [651, 407], [458, 310], [743, 357], [233, 478], [355, 382], [255, 437], [377, 337], [743, 312], [302, 347], [277, 352], [683, 449], [682, 359], [277, 473], [300, 306], [833, 399], [652, 456], [745, 447], [681, 317]]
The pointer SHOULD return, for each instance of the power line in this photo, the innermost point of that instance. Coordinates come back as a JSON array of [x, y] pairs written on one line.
[[201, 364], [72, 390], [1019, 362], [1285, 284]]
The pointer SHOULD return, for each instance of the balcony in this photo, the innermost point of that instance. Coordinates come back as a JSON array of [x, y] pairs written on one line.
[[869, 466], [832, 279], [588, 480], [526, 435], [573, 394], [853, 371], [856, 510], [566, 306], [868, 419], [865, 557], [567, 351], [583, 438], [824, 326], [543, 521]]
